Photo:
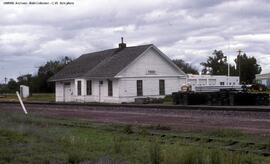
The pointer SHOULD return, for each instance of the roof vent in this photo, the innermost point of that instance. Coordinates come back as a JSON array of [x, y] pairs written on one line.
[[122, 44]]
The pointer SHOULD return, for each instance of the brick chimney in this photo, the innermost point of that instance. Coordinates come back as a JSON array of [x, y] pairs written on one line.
[[122, 44]]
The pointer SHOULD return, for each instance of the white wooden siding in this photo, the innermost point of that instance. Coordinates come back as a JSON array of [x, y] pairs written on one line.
[[150, 61], [59, 91], [128, 87], [99, 92]]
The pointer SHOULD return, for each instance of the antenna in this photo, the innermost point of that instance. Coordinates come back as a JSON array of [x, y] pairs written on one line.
[[239, 52]]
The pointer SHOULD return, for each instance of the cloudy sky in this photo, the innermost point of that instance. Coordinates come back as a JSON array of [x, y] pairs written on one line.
[[30, 35]]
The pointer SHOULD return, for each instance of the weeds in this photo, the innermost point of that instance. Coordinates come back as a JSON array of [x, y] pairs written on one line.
[[160, 127], [74, 157], [226, 133], [155, 152], [116, 145], [268, 145], [143, 131], [195, 155], [42, 140], [128, 129]]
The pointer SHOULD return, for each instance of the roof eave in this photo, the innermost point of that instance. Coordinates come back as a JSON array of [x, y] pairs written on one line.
[[63, 79]]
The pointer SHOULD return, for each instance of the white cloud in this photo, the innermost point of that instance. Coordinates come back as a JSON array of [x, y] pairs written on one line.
[[11, 38], [253, 38], [185, 29]]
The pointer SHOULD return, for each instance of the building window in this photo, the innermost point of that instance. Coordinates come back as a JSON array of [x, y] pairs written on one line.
[[139, 87], [110, 88], [222, 83], [161, 87], [79, 88], [89, 87]]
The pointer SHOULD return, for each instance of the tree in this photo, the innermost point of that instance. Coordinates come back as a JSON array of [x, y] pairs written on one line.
[[216, 64], [52, 67], [39, 82], [12, 86], [24, 79], [247, 67], [187, 68]]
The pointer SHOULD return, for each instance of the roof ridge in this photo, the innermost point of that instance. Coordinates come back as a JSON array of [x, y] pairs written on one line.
[[116, 49], [98, 51]]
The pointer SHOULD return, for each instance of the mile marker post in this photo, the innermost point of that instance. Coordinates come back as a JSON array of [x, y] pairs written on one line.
[[21, 102]]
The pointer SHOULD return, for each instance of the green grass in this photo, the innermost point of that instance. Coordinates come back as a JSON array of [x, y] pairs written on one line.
[[46, 97], [38, 139], [9, 97], [36, 97]]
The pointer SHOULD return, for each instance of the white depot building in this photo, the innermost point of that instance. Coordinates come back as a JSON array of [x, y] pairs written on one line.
[[118, 75], [263, 79], [212, 81]]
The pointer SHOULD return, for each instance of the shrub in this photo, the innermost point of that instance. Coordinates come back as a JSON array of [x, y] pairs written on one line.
[[168, 98]]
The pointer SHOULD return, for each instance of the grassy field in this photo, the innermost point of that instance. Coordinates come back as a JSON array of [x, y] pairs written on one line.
[[37, 139], [38, 97]]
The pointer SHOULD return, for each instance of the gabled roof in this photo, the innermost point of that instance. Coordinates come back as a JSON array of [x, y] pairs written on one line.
[[102, 64]]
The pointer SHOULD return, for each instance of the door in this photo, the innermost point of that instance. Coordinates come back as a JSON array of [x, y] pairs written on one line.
[[67, 92]]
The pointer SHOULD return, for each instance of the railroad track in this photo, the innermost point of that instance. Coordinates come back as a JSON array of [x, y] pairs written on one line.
[[185, 119], [160, 106]]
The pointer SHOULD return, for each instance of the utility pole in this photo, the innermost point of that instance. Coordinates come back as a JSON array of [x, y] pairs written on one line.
[[228, 70], [5, 80], [239, 69], [227, 57]]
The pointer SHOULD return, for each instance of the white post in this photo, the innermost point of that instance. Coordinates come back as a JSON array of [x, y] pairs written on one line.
[[21, 102]]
